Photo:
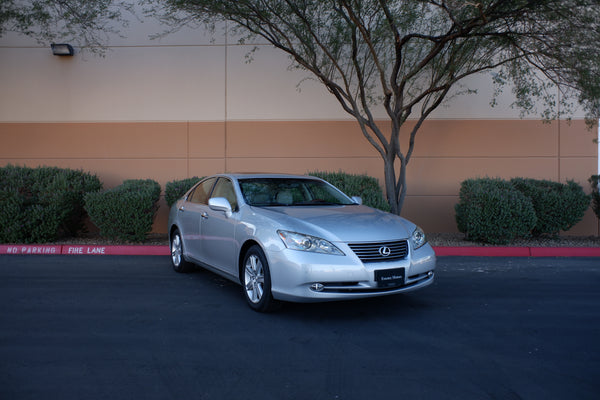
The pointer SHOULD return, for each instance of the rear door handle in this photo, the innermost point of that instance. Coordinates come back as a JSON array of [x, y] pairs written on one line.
[[182, 208], [204, 215]]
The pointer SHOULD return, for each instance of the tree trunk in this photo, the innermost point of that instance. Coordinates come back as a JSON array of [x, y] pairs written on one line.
[[395, 189], [401, 185], [391, 184]]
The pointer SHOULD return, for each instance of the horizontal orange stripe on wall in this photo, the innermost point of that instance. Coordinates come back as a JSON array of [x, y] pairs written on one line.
[[446, 153]]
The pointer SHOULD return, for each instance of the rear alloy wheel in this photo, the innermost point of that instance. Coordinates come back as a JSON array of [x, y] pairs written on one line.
[[179, 263], [257, 281]]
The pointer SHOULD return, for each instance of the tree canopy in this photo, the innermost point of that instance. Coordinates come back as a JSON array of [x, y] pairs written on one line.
[[91, 21], [409, 56]]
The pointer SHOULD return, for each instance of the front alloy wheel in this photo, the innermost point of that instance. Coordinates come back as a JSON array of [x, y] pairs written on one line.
[[257, 281], [179, 263]]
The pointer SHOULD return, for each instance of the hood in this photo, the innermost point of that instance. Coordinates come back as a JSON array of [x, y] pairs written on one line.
[[343, 223]]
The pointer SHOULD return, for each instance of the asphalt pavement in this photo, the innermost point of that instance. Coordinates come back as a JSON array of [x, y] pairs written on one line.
[[128, 327]]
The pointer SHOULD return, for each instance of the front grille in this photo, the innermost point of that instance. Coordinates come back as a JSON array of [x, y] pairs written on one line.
[[378, 252]]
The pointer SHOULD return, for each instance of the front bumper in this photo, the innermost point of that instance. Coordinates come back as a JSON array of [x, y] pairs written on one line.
[[306, 277]]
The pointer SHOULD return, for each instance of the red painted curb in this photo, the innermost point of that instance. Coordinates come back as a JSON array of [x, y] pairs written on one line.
[[68, 249], [162, 250], [130, 250], [30, 249]]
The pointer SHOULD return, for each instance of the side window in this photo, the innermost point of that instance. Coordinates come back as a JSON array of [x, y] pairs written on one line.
[[224, 188], [202, 191]]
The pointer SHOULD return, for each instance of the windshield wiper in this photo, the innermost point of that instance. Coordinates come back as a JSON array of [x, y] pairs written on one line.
[[317, 203]]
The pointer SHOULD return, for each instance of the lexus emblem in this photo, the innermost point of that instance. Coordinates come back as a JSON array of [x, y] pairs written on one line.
[[385, 251]]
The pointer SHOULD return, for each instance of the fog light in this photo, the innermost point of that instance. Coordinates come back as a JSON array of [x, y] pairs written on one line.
[[317, 287]]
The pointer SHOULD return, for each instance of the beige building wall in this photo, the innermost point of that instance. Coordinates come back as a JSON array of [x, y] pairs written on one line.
[[448, 151], [191, 104]]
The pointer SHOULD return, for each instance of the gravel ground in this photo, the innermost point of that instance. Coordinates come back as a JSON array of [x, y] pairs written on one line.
[[458, 239], [436, 239]]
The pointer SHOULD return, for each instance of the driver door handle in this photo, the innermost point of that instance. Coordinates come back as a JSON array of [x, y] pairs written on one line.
[[204, 215]]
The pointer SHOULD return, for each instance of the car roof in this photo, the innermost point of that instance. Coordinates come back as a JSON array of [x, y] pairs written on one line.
[[255, 175]]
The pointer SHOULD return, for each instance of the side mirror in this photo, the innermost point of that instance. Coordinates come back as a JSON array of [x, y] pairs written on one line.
[[220, 204], [357, 200]]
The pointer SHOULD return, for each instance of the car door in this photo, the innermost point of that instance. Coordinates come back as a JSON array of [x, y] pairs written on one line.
[[218, 230], [191, 212]]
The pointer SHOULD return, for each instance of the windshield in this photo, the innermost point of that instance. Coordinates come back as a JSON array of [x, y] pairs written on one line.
[[268, 192]]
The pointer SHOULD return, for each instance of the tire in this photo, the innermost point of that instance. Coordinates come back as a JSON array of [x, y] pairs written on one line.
[[256, 281], [177, 259]]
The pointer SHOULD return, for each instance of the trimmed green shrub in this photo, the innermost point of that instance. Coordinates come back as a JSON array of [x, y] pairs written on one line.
[[125, 212], [176, 189], [595, 182], [364, 186], [39, 205], [493, 211], [11, 221], [558, 206]]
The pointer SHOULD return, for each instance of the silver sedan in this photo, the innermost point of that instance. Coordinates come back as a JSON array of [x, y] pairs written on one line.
[[296, 238]]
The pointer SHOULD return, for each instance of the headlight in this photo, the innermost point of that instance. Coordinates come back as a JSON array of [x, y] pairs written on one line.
[[418, 239], [298, 241]]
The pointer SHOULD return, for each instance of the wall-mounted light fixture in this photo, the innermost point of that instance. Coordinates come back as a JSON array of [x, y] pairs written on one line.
[[62, 49]]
